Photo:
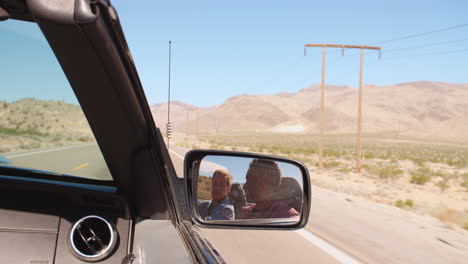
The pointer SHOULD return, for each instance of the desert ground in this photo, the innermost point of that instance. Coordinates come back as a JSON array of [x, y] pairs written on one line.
[[416, 175], [414, 146]]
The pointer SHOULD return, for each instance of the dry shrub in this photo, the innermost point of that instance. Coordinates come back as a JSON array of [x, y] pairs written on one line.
[[421, 175], [449, 216], [384, 171], [204, 188]]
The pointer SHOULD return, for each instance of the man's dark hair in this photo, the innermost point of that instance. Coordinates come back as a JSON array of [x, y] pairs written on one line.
[[266, 167]]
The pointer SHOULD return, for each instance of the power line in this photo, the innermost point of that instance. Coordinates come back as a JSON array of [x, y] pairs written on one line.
[[418, 47], [430, 53], [295, 64], [412, 47], [420, 34], [420, 54], [427, 45]]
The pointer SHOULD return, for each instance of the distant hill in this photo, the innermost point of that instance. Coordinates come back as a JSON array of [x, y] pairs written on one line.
[[420, 108], [31, 123], [44, 116]]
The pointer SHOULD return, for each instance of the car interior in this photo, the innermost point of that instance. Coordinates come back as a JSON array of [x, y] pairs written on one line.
[[143, 214], [42, 216]]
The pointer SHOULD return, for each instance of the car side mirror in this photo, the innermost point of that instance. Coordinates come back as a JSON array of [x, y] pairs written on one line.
[[229, 189]]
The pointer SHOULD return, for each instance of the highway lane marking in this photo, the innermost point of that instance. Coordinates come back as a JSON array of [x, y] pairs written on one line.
[[320, 243], [44, 151], [81, 166], [177, 154], [327, 247]]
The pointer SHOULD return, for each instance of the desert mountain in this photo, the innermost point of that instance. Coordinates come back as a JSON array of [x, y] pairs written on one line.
[[31, 123], [414, 108], [44, 117]]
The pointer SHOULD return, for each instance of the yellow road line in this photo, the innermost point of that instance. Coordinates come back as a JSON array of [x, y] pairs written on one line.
[[81, 166]]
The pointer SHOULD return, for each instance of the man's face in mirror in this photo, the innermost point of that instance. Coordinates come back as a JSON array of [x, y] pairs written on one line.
[[259, 187], [261, 183], [220, 185]]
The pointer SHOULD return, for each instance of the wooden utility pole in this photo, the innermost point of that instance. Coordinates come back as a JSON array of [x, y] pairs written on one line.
[[359, 121], [196, 123], [186, 124], [322, 92], [322, 98]]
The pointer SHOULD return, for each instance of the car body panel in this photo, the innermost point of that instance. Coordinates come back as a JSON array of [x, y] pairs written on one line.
[[158, 241]]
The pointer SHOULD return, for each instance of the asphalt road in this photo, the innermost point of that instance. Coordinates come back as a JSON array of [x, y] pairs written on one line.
[[341, 228], [83, 160]]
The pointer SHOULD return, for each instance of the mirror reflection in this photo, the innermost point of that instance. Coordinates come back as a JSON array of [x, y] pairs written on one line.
[[236, 188]]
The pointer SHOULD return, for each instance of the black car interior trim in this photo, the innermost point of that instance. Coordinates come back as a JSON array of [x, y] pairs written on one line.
[[38, 218], [37, 174], [101, 188], [90, 59], [96, 61]]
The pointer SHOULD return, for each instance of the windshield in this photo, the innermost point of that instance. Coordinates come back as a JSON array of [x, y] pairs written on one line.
[[42, 125], [388, 160]]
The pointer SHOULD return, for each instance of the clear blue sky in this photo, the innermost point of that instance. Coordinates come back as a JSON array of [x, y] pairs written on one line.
[[224, 48]]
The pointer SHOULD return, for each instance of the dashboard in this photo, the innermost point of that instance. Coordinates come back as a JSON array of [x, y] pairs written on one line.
[[44, 223]]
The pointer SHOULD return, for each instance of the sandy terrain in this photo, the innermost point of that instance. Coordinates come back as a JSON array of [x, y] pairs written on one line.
[[449, 205]]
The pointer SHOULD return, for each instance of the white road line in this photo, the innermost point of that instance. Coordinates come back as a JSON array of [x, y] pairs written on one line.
[[43, 151], [177, 154], [327, 247], [320, 243]]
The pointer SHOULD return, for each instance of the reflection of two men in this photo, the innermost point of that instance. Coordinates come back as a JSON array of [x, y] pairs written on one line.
[[219, 208], [264, 192]]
